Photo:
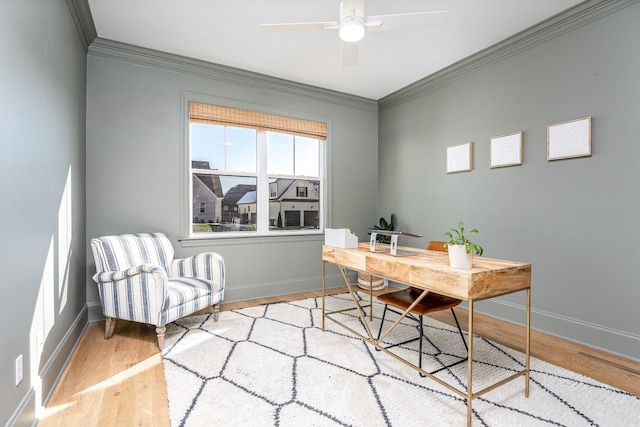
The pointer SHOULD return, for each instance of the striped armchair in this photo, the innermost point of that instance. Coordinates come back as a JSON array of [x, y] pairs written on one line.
[[139, 280]]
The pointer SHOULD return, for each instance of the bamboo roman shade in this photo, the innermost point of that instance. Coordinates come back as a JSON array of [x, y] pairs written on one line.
[[218, 115]]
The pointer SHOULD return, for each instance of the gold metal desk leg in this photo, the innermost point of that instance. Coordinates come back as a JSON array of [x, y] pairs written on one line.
[[528, 349], [470, 364], [323, 287], [371, 301], [361, 313]]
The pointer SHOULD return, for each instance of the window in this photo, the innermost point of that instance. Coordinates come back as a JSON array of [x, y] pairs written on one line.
[[256, 173]]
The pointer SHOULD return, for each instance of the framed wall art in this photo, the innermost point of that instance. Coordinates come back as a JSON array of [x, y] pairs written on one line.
[[506, 150], [569, 139], [459, 158]]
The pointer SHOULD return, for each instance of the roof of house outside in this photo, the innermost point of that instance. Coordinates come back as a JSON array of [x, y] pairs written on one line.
[[236, 193], [211, 181], [249, 197]]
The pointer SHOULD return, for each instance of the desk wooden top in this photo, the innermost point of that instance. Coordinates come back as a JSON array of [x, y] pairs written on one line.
[[430, 270]]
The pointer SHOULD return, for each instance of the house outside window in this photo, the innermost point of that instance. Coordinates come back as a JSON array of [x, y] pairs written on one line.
[[258, 179]]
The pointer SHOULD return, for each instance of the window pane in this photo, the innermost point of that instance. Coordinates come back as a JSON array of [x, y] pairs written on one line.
[[223, 149], [307, 153], [223, 203], [241, 150], [207, 146], [294, 204], [280, 153]]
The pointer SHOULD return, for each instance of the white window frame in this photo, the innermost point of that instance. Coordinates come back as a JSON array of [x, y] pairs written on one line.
[[188, 238]]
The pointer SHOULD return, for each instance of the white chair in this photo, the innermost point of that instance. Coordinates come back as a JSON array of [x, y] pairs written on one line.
[[139, 280]]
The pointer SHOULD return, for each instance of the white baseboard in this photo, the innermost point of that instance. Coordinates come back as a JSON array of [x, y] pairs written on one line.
[[606, 339], [95, 312], [269, 289], [49, 374], [54, 367], [25, 413], [253, 291]]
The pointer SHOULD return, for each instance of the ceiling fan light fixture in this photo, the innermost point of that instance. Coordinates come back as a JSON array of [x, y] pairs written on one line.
[[351, 29]]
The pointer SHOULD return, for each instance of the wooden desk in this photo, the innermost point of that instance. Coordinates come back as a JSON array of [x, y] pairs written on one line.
[[430, 271]]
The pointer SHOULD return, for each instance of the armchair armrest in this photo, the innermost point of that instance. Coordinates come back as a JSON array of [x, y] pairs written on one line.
[[113, 276], [206, 265], [138, 293]]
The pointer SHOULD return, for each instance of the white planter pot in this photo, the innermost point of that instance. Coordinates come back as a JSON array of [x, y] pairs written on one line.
[[459, 258]]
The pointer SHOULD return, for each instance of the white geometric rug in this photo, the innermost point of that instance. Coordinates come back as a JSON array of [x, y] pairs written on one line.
[[272, 365]]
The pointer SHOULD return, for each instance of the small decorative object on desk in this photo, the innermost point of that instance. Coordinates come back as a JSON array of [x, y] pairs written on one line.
[[340, 238], [460, 248]]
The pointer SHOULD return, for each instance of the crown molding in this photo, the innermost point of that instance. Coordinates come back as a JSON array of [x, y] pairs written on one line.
[[81, 15], [175, 63], [562, 23]]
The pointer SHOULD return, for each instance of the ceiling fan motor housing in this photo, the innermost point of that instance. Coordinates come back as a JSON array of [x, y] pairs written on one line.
[[351, 29]]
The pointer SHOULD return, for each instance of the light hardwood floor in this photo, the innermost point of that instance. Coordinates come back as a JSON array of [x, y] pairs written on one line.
[[121, 381]]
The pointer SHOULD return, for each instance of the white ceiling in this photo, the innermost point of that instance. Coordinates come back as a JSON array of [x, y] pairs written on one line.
[[226, 32]]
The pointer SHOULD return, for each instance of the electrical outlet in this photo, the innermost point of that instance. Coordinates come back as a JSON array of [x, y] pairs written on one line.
[[19, 370]]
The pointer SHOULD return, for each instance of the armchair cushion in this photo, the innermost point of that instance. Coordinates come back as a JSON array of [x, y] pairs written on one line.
[[187, 295]]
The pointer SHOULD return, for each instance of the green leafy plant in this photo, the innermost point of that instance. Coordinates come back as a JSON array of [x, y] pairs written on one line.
[[385, 225], [458, 236]]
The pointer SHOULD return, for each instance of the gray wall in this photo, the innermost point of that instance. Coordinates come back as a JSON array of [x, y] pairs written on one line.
[[568, 218], [42, 187], [134, 133], [575, 220]]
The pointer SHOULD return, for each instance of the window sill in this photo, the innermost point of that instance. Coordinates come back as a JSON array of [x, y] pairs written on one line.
[[235, 239]]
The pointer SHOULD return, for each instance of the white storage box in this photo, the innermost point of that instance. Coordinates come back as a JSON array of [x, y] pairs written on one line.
[[340, 238]]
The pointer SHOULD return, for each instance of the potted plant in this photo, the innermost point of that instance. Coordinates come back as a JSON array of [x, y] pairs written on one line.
[[461, 249], [368, 281]]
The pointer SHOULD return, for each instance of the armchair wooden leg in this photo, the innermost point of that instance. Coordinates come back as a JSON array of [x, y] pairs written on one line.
[[109, 326], [216, 312], [160, 330]]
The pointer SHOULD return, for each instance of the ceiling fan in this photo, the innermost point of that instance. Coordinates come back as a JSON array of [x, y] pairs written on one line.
[[353, 24]]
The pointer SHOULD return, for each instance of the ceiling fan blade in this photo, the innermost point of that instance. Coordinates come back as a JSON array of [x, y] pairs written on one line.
[[406, 21], [350, 54], [299, 26]]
